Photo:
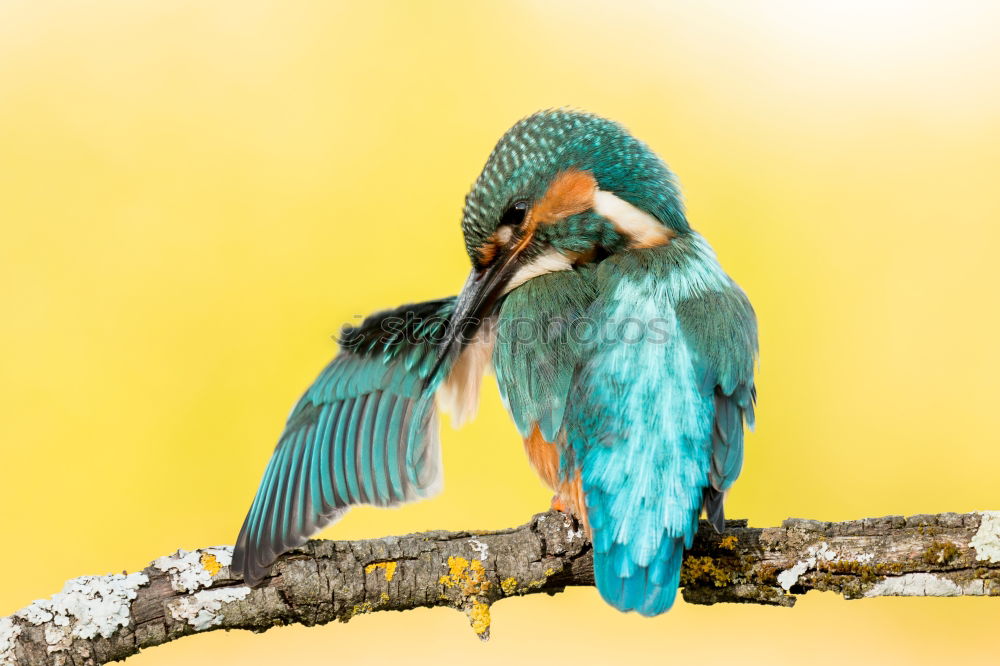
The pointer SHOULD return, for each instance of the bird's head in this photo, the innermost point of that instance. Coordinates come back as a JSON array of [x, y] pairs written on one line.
[[561, 188]]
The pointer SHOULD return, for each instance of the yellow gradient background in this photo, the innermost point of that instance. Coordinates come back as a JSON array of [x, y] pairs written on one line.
[[195, 195]]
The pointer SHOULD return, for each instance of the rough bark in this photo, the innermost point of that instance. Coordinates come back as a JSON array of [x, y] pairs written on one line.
[[101, 619]]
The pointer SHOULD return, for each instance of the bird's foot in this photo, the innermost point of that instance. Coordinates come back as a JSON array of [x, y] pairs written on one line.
[[559, 504]]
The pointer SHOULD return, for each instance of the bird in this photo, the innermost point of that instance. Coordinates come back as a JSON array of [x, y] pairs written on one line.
[[623, 352]]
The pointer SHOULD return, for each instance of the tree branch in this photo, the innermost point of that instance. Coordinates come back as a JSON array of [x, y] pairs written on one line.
[[97, 619]]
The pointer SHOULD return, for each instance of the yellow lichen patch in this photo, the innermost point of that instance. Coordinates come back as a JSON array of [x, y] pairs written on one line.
[[728, 542], [368, 606], [363, 607], [508, 585], [479, 616], [868, 573], [471, 576], [210, 563], [388, 567], [539, 583], [457, 565], [702, 570], [477, 582], [940, 552]]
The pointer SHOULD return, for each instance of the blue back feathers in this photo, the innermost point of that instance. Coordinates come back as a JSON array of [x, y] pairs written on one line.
[[656, 381]]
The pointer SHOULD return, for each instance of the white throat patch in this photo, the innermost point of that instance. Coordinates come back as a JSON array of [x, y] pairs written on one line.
[[550, 261]]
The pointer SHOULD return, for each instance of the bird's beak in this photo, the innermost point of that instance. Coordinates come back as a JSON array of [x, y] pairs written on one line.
[[476, 303]]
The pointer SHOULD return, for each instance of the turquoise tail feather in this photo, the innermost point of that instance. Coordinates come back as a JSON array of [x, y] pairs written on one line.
[[637, 561], [649, 590]]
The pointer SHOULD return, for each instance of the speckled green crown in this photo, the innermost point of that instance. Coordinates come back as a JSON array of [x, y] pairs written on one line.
[[535, 149]]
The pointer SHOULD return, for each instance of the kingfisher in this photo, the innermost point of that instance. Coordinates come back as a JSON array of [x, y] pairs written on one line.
[[623, 352]]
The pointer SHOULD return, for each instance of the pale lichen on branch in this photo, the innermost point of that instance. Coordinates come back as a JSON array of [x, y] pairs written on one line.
[[96, 619]]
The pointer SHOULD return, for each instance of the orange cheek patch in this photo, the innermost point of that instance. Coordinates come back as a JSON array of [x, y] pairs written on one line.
[[569, 193], [486, 253]]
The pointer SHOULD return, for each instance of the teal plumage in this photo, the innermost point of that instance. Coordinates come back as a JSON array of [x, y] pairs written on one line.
[[365, 432], [537, 350], [646, 394], [536, 148], [623, 352], [642, 425]]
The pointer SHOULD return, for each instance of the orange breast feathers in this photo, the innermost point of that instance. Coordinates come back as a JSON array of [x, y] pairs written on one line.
[[544, 457]]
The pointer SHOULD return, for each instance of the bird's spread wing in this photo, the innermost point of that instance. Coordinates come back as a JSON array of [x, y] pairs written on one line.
[[721, 330], [365, 432]]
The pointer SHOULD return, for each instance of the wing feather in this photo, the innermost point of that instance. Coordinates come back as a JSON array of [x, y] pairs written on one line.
[[365, 432], [379, 448], [721, 329], [399, 407]]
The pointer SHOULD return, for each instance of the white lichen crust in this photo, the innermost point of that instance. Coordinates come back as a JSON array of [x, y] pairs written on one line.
[[481, 548], [986, 542], [96, 620], [201, 609], [188, 571], [790, 576], [88, 606], [926, 585], [9, 631]]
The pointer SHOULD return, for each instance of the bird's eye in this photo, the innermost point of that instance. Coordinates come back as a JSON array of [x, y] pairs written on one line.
[[514, 215]]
